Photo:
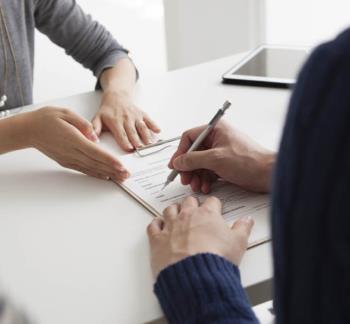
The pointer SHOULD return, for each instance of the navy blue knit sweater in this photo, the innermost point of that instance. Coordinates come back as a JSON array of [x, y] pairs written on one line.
[[311, 222]]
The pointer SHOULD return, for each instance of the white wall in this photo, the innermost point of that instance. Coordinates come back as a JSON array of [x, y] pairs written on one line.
[[203, 30], [305, 22], [137, 24]]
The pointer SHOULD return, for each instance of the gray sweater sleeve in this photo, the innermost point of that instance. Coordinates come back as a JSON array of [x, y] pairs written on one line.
[[87, 41], [10, 314]]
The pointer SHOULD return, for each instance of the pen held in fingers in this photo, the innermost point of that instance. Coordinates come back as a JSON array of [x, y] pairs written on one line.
[[202, 136]]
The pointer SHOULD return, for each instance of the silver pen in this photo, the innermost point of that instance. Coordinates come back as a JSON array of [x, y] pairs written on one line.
[[199, 140]]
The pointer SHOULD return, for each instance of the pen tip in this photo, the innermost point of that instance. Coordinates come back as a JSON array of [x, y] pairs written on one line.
[[165, 184]]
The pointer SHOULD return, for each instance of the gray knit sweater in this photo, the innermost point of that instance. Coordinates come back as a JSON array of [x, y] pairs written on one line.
[[65, 23]]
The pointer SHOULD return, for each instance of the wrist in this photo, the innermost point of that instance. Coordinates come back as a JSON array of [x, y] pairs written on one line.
[[30, 127], [117, 92], [265, 168], [16, 131], [115, 96]]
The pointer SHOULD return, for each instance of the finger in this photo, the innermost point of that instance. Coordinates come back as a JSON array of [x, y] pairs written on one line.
[[88, 172], [151, 124], [243, 227], [186, 178], [155, 227], [170, 213], [119, 134], [213, 204], [186, 141], [133, 136], [207, 178], [96, 153], [196, 160], [84, 126], [143, 131], [95, 166], [189, 202], [97, 124], [196, 183]]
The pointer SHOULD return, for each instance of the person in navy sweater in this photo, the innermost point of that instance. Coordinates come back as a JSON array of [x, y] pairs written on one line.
[[195, 255]]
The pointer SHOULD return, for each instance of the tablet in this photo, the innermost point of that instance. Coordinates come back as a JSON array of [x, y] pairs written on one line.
[[269, 66]]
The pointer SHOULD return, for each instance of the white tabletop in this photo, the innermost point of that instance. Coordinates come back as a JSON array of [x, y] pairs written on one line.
[[74, 249]]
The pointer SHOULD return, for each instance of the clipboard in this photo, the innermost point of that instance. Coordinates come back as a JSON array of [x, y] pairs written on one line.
[[159, 148]]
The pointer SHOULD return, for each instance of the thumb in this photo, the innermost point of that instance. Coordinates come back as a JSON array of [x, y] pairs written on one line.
[[243, 227], [97, 125], [195, 160], [83, 125]]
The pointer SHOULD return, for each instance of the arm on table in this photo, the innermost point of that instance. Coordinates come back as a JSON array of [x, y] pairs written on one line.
[[90, 44], [204, 288], [194, 254]]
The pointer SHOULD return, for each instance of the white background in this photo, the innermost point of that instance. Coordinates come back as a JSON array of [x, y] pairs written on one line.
[[305, 22], [139, 25]]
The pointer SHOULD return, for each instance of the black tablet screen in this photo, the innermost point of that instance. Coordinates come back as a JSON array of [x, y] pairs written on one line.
[[274, 63]]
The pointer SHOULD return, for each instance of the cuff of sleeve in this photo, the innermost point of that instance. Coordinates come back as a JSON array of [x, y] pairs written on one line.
[[200, 286], [109, 62]]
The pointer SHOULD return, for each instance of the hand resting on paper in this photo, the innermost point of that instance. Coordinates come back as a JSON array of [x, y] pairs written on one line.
[[190, 228], [225, 153]]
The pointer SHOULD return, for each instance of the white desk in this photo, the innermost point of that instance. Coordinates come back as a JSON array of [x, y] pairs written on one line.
[[74, 249]]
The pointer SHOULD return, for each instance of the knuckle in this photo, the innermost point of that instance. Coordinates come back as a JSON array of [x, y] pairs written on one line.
[[214, 201], [190, 199], [207, 209], [186, 213], [86, 127], [64, 111], [127, 117], [149, 229], [168, 209], [143, 126], [184, 160], [217, 154]]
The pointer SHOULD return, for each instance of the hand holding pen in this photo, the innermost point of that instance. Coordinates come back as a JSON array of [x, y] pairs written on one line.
[[199, 140]]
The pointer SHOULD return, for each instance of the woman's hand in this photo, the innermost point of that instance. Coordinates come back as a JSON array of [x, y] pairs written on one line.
[[190, 229], [130, 126], [70, 140]]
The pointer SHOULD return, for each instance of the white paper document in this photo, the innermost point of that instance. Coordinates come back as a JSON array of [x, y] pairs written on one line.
[[149, 173]]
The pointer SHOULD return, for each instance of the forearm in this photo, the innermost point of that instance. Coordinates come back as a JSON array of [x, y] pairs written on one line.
[[14, 133], [119, 79], [201, 289]]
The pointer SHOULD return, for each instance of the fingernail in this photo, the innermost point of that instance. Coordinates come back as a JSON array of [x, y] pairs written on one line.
[[121, 169], [95, 137], [125, 174]]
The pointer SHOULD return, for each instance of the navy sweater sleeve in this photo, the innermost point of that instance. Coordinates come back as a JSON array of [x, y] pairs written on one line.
[[204, 288]]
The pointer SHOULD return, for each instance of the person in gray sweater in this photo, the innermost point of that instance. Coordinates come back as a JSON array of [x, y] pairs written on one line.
[[55, 131]]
